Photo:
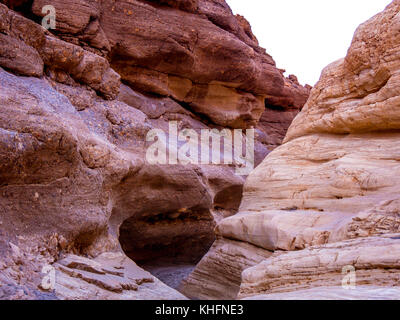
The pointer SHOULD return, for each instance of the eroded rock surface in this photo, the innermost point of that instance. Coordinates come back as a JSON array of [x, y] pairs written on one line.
[[77, 175], [75, 190], [109, 276], [328, 197], [198, 53], [375, 260], [335, 293], [218, 275]]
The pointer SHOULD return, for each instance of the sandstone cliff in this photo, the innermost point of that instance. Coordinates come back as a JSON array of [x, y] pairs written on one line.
[[328, 197], [76, 104]]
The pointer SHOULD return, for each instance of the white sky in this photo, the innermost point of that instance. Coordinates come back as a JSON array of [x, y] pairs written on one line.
[[304, 36]]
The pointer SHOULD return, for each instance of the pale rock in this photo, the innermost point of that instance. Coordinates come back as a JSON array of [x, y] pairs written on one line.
[[334, 182], [218, 275], [374, 259], [335, 293]]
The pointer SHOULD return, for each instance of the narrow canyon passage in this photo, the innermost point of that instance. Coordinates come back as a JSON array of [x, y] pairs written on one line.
[[78, 104], [168, 245]]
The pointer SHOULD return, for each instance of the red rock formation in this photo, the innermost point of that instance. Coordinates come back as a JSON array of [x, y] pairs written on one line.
[[200, 55], [73, 179]]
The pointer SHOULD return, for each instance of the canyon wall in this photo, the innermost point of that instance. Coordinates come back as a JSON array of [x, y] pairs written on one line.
[[327, 200], [76, 105]]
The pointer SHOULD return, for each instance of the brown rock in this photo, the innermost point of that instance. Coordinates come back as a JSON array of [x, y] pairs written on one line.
[[226, 106], [185, 5], [72, 16], [15, 55], [26, 49], [73, 169], [155, 57], [83, 66], [273, 125], [80, 158]]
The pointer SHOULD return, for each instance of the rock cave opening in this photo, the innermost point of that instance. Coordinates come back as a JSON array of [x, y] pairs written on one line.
[[168, 245], [274, 107]]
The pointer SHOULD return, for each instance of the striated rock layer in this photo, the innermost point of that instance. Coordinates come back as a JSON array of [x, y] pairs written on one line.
[[218, 275], [375, 260], [328, 197], [196, 52], [76, 105]]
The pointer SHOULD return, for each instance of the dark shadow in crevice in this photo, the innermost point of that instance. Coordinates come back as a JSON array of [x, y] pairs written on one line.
[[168, 245], [274, 108]]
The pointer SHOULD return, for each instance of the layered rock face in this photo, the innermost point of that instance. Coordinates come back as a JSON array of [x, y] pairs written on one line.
[[200, 55], [76, 192], [327, 199]]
